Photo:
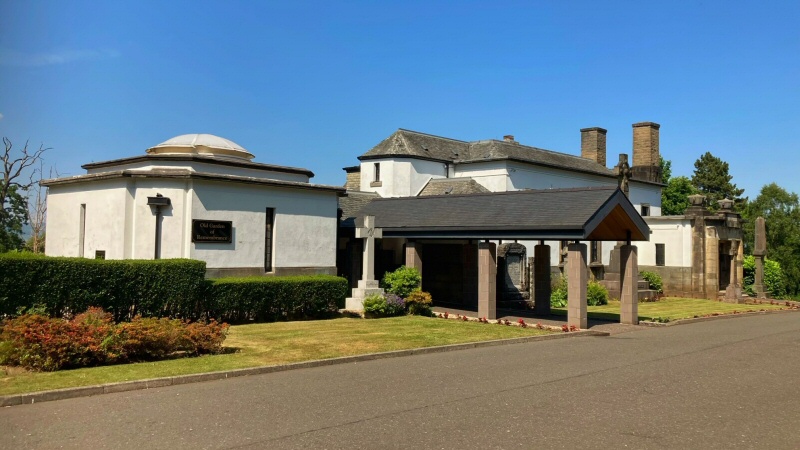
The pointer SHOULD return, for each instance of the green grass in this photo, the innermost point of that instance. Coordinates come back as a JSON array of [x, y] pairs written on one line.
[[277, 343], [671, 309]]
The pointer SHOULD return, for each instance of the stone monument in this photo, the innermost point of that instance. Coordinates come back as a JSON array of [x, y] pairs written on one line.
[[367, 285], [759, 253]]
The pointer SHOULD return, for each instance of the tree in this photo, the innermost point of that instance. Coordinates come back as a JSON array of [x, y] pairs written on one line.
[[712, 179], [781, 212], [14, 185], [675, 195], [37, 212]]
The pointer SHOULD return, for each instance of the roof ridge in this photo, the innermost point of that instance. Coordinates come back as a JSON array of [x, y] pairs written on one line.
[[433, 135], [521, 191]]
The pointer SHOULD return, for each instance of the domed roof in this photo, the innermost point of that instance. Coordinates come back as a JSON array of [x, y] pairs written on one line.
[[200, 144]]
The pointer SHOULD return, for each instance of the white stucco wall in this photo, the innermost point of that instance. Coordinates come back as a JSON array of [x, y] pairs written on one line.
[[304, 229], [640, 193], [675, 233], [400, 177], [524, 176], [493, 175]]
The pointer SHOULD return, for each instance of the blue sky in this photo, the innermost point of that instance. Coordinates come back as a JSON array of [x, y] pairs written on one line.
[[315, 84]]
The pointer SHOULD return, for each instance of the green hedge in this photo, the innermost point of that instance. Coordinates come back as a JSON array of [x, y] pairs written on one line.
[[276, 298], [125, 288]]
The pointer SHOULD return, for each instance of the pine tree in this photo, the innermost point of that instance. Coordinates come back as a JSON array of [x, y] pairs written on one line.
[[712, 179]]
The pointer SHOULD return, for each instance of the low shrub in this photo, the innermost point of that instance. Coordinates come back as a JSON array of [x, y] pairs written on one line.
[[774, 278], [275, 298], [402, 281], [388, 305], [596, 293], [419, 303], [43, 343], [559, 294], [653, 280]]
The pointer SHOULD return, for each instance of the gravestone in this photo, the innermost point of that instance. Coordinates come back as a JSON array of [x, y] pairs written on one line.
[[512, 274]]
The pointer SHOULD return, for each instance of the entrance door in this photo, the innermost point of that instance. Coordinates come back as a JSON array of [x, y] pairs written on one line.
[[724, 264]]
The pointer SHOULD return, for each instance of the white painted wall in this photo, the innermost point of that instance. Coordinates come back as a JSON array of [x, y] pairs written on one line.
[[640, 193], [400, 177], [524, 176], [493, 175], [676, 235]]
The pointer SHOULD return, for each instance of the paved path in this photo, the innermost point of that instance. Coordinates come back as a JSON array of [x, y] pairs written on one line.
[[722, 384]]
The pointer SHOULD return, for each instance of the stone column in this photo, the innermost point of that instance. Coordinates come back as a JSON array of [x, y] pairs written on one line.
[[629, 280], [367, 285], [541, 280], [576, 278], [711, 290], [487, 280], [413, 258], [733, 293], [759, 251]]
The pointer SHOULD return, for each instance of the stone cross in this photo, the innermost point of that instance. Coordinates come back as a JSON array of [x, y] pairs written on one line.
[[623, 170], [368, 232]]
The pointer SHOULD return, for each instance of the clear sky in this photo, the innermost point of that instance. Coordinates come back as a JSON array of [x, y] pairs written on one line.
[[315, 84]]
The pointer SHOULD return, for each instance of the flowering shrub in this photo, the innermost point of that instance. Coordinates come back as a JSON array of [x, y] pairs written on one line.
[[419, 303], [42, 343], [402, 281], [389, 305]]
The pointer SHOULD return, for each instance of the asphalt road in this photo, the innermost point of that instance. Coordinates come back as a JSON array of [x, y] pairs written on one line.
[[721, 384]]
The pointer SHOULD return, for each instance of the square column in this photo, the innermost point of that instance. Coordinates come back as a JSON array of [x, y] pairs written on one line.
[[576, 280], [541, 280], [487, 280], [629, 280], [413, 258]]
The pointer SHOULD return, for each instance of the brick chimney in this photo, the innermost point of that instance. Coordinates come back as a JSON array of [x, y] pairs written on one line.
[[593, 144], [646, 156], [509, 138]]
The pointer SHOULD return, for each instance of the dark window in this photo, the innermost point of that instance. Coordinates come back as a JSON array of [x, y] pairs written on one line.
[[268, 237], [100, 254], [595, 253], [645, 210], [377, 172], [659, 254]]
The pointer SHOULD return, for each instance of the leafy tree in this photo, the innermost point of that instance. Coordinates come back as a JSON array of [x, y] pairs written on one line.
[[12, 218], [675, 195], [711, 178], [781, 211]]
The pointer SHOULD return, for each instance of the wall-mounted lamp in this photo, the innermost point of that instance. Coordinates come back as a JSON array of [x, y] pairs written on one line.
[[159, 201]]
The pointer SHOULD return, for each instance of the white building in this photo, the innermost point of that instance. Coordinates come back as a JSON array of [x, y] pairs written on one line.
[[196, 196]]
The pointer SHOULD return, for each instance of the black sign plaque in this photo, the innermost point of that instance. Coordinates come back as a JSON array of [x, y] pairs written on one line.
[[219, 231]]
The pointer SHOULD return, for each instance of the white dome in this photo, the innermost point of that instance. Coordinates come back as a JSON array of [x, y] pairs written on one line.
[[200, 144]]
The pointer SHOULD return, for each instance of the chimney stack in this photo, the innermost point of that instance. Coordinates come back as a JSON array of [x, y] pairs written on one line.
[[593, 144], [646, 156], [509, 138]]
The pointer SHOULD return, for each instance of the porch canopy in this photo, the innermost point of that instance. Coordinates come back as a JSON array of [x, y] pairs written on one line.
[[581, 214], [589, 214]]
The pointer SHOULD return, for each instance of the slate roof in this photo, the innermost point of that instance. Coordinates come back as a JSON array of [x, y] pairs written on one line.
[[602, 213], [425, 146], [452, 186], [351, 203]]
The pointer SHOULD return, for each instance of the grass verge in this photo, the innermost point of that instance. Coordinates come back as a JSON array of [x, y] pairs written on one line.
[[672, 308], [277, 343]]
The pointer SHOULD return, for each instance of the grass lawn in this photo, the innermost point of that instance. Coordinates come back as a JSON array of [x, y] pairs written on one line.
[[278, 343], [671, 308]]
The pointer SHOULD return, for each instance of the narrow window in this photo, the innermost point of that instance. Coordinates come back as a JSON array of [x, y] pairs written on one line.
[[645, 209], [268, 237], [100, 254], [659, 254], [377, 172], [82, 230]]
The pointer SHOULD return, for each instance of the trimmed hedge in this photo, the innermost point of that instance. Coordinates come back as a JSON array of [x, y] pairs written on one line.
[[276, 298], [125, 288]]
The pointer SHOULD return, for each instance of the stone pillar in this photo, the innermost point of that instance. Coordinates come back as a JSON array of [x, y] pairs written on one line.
[[711, 290], [487, 280], [576, 278], [367, 285], [759, 251], [541, 280], [733, 293], [413, 258], [629, 279]]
